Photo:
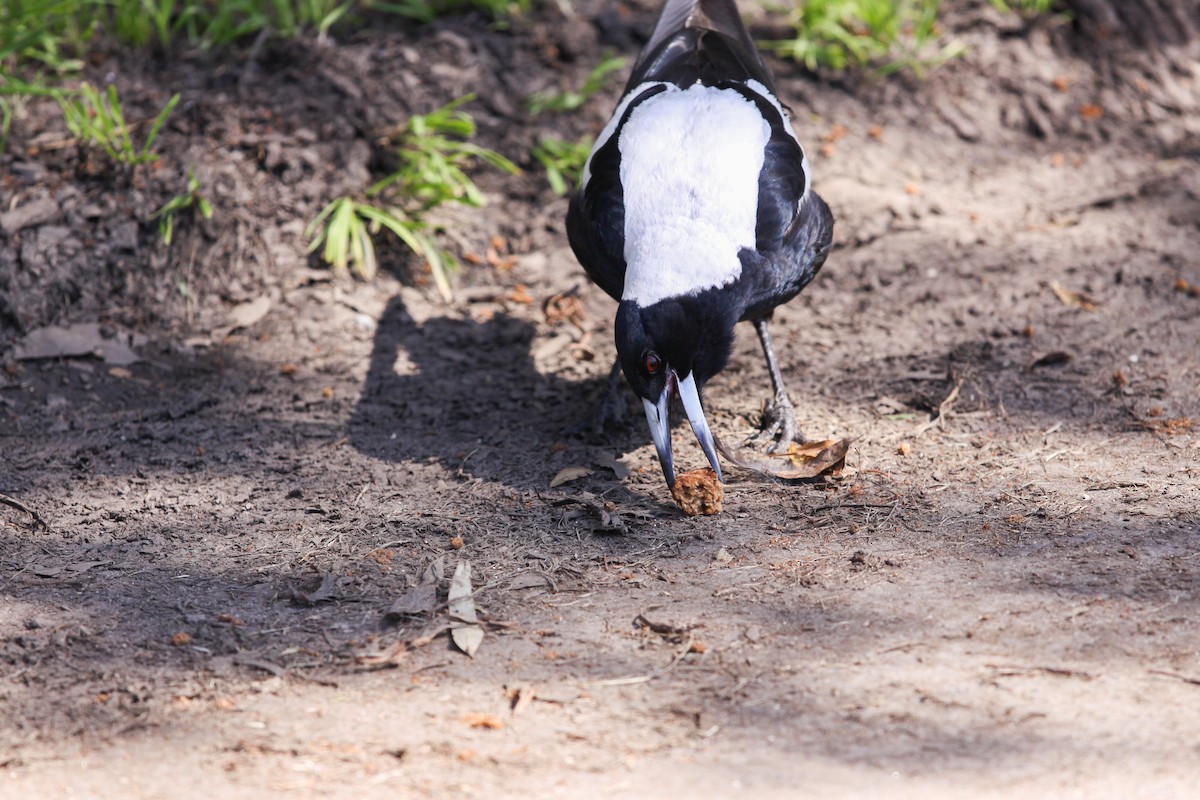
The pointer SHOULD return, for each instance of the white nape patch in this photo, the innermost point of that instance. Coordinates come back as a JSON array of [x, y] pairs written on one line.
[[611, 126], [690, 161], [765, 93]]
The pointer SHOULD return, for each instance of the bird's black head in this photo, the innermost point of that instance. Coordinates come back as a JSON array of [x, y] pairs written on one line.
[[672, 348]]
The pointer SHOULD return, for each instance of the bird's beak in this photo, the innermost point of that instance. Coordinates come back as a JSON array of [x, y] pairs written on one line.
[[658, 415]]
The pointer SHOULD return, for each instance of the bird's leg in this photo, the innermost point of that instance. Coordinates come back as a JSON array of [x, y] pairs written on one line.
[[610, 409], [779, 420]]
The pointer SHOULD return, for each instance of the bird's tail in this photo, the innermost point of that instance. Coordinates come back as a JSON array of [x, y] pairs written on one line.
[[692, 17]]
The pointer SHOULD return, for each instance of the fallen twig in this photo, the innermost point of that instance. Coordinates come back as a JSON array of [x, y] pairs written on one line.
[[1176, 676], [1015, 670], [19, 506], [944, 408]]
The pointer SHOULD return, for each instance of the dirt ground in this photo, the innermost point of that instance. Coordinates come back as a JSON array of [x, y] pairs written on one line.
[[230, 596]]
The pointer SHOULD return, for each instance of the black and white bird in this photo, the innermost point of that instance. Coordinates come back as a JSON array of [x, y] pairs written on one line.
[[695, 212]]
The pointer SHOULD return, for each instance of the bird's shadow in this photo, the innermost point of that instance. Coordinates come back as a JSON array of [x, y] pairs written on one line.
[[467, 395]]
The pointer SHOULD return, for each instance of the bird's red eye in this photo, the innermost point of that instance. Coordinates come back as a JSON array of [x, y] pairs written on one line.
[[652, 362]]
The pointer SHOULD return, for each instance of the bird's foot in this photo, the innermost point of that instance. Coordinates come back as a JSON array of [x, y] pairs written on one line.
[[779, 427], [611, 409]]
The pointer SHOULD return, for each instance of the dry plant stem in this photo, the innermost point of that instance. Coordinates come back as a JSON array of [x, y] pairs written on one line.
[[944, 408], [19, 506]]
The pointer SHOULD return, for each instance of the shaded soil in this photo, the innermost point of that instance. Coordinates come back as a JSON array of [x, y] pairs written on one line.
[[997, 598]]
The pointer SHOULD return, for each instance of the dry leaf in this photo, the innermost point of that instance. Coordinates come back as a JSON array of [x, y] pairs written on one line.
[[1055, 358], [83, 339], [802, 461], [246, 314], [564, 307], [417, 601], [817, 457], [328, 590], [488, 721], [1074, 299], [568, 474], [465, 633], [379, 659], [522, 698]]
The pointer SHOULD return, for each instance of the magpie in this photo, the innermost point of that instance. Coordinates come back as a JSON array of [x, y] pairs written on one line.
[[695, 212]]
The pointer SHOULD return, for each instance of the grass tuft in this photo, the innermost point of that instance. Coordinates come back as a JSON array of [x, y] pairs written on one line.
[[434, 152], [886, 35]]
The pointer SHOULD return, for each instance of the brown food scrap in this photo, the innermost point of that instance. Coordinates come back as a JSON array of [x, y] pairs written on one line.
[[698, 647], [1091, 111], [1191, 290], [180, 639], [456, 542], [383, 556], [875, 132], [288, 368], [698, 492], [521, 295], [835, 133], [904, 449]]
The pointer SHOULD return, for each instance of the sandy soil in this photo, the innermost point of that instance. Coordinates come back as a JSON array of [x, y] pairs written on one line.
[[231, 595]]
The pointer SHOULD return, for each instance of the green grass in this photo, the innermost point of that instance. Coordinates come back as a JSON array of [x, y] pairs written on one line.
[[96, 118], [1029, 7], [885, 35], [569, 100], [191, 201], [433, 155], [562, 160]]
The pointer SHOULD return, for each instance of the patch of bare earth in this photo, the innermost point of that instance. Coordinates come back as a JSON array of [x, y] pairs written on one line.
[[242, 588]]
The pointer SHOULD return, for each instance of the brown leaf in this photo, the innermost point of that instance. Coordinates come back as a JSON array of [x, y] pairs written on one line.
[[417, 601], [568, 474], [1074, 299], [380, 659], [802, 461], [326, 591], [488, 721], [1053, 359], [466, 634], [522, 698]]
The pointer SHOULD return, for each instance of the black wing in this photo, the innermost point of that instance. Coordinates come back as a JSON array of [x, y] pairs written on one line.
[[596, 217], [776, 276]]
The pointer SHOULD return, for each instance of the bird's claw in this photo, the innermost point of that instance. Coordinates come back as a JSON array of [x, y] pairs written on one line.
[[610, 410], [779, 427]]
